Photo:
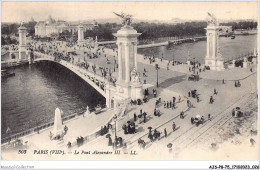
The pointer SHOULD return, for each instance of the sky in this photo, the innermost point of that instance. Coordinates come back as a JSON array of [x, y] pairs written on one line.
[[75, 11]]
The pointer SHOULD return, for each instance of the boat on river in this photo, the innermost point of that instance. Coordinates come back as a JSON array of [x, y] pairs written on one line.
[[6, 74]]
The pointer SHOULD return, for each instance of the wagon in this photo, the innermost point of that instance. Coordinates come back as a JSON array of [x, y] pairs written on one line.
[[194, 77], [194, 93], [237, 112], [198, 120]]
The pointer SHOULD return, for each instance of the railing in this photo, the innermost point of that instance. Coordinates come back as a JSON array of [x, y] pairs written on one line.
[[93, 75], [44, 126], [95, 134]]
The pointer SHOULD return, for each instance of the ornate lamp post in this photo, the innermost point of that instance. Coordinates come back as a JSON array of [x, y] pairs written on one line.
[[115, 119], [157, 68], [194, 65], [114, 63]]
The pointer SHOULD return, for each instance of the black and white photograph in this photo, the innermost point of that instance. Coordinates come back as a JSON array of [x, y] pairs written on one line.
[[143, 80]]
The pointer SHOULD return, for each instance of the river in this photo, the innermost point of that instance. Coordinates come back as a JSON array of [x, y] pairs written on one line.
[[36, 90], [229, 48]]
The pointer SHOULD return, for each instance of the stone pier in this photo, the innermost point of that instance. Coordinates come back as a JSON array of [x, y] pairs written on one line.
[[213, 57], [22, 42], [129, 86]]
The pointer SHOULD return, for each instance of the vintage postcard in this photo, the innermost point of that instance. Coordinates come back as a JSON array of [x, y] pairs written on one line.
[[129, 80]]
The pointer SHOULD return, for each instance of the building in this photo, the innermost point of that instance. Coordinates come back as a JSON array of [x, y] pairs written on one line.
[[225, 30], [51, 26]]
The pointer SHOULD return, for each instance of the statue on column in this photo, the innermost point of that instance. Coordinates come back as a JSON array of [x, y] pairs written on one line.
[[212, 19], [135, 77], [126, 18]]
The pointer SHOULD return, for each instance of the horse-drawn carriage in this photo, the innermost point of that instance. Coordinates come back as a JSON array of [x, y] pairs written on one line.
[[197, 120], [236, 112], [194, 77], [194, 93]]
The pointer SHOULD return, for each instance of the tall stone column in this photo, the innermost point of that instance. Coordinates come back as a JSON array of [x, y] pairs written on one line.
[[22, 40], [127, 63], [80, 34], [135, 56], [126, 41], [213, 58], [119, 61], [207, 44]]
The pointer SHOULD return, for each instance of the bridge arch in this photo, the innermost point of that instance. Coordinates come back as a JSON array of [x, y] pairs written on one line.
[[99, 83]]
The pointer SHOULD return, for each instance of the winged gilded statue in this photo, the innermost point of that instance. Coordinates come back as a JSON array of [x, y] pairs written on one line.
[[212, 19], [126, 18]]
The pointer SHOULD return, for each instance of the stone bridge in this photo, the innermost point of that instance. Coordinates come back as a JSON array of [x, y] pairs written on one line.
[[99, 83]]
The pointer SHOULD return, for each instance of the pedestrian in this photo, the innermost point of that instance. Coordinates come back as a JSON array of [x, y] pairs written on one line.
[[188, 103], [128, 129], [170, 104], [173, 126], [209, 118], [215, 91], [125, 129], [135, 117], [179, 99], [189, 93], [50, 135], [173, 106], [167, 104], [223, 81], [198, 99], [235, 83], [238, 83], [150, 136], [144, 116], [158, 113], [211, 100], [182, 115], [192, 120], [165, 133], [173, 99], [154, 112]]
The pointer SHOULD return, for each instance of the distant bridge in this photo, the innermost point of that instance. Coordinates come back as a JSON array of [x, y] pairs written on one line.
[[175, 41]]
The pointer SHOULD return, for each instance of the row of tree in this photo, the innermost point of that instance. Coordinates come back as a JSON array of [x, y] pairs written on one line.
[[12, 29], [154, 31], [241, 25], [6, 40], [149, 31]]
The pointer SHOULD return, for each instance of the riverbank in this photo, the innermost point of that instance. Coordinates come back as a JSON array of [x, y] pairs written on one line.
[[14, 63]]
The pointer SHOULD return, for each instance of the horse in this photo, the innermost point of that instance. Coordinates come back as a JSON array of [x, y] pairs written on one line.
[[156, 135], [141, 143]]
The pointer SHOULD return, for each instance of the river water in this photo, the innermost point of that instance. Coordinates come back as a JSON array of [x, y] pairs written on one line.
[[229, 48], [36, 91]]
